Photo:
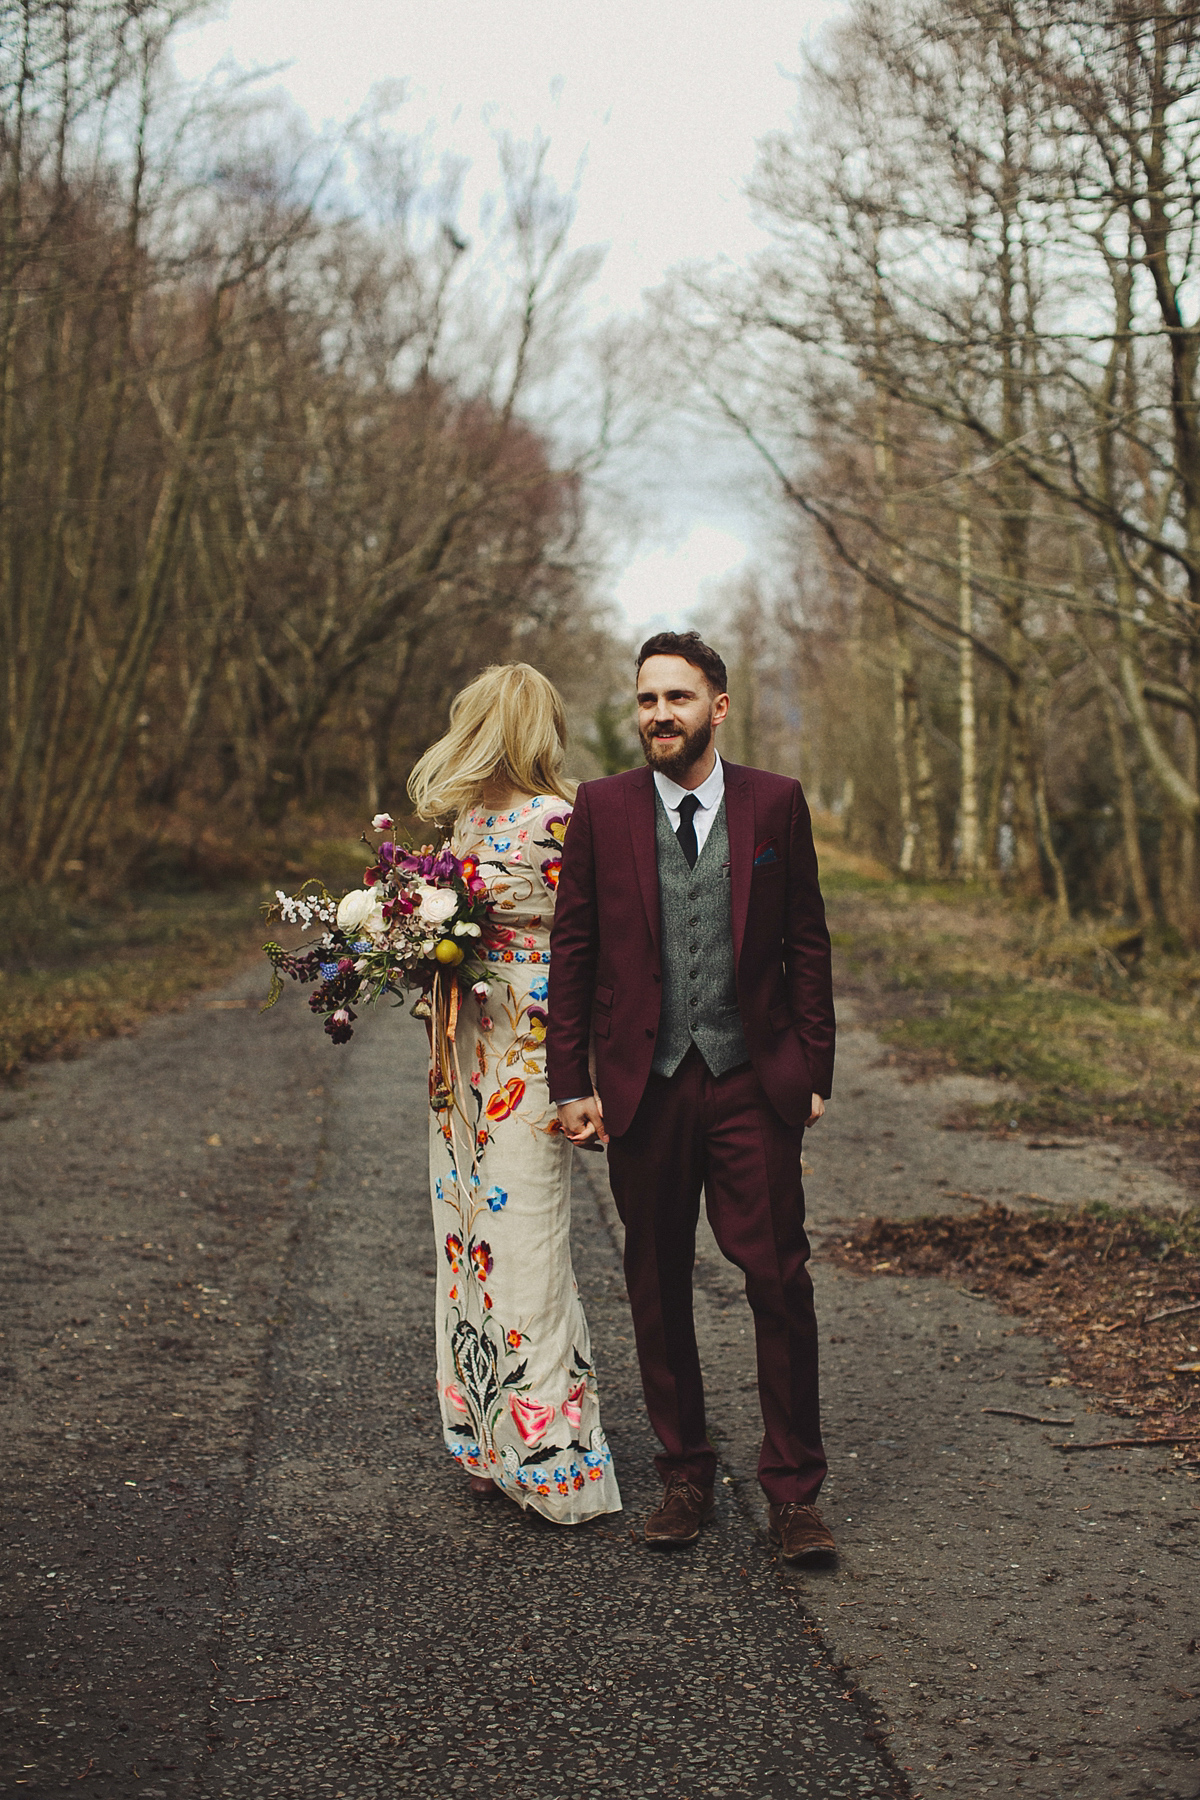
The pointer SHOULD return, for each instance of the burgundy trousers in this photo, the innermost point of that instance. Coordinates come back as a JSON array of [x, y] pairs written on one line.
[[694, 1130]]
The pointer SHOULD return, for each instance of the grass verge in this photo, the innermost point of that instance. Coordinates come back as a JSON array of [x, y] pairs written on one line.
[[78, 969], [1094, 1027]]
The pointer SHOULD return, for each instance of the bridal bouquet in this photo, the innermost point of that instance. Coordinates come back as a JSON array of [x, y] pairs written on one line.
[[414, 924]]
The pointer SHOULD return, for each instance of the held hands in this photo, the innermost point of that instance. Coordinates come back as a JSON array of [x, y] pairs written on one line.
[[583, 1119]]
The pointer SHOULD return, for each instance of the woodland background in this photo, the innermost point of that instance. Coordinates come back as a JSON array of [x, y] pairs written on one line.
[[285, 457]]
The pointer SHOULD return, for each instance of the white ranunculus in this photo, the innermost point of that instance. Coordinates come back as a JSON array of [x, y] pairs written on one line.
[[355, 908], [436, 905]]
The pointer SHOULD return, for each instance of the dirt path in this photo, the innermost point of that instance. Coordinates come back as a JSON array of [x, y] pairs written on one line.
[[240, 1563], [258, 1572]]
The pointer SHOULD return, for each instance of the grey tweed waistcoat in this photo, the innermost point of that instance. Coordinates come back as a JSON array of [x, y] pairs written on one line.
[[699, 1002]]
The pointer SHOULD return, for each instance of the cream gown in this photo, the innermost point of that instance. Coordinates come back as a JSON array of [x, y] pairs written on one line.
[[515, 1379]]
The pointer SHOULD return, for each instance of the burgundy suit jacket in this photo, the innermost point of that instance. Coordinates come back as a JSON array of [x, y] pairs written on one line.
[[605, 945]]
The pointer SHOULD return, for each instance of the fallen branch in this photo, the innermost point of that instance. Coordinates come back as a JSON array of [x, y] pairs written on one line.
[[1131, 1443], [1007, 1412], [258, 1699], [1173, 1312]]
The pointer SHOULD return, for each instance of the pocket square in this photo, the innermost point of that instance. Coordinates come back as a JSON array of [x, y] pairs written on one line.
[[765, 853]]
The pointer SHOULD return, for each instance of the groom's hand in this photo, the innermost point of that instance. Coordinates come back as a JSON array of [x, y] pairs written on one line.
[[583, 1119], [818, 1110]]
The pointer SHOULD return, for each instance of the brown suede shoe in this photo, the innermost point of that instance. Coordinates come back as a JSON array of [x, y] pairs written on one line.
[[683, 1510], [800, 1532]]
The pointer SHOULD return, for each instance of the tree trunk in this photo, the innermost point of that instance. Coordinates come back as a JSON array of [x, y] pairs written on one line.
[[1131, 842], [901, 671], [968, 805]]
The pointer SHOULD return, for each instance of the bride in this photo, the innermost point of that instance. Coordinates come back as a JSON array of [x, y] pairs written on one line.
[[520, 1408]]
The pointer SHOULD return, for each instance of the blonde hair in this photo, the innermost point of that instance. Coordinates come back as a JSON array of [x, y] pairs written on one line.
[[509, 725]]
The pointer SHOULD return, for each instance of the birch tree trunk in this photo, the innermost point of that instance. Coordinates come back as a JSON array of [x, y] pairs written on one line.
[[968, 803]]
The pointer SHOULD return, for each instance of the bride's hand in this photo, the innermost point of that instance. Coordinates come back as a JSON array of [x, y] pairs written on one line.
[[583, 1119]]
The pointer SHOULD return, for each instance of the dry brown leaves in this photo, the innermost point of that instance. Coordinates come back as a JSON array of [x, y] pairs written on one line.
[[1095, 1285]]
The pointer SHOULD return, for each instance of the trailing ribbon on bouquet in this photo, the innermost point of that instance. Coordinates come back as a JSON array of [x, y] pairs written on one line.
[[445, 1075]]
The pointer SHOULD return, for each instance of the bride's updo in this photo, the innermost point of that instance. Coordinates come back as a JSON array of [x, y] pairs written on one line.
[[508, 731]]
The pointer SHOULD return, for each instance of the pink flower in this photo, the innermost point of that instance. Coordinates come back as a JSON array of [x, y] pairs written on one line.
[[455, 1398], [382, 822], [531, 1418], [572, 1410]]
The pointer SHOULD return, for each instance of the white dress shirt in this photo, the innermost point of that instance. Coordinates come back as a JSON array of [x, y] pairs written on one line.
[[709, 794]]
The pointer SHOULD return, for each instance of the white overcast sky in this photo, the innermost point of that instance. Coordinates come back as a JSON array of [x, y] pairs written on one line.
[[663, 100]]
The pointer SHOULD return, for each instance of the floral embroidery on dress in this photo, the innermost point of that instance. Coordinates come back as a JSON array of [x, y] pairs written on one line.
[[518, 1391]]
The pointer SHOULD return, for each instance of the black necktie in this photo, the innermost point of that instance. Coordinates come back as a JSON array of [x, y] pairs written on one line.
[[689, 806]]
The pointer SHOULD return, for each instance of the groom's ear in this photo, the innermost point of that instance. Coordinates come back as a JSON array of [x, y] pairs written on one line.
[[720, 708]]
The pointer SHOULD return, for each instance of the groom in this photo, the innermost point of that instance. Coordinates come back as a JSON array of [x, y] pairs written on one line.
[[689, 948]]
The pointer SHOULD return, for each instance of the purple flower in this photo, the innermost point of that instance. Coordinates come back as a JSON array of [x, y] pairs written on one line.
[[340, 1025]]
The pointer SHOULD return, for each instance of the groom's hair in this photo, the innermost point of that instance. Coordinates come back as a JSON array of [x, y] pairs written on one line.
[[693, 649]]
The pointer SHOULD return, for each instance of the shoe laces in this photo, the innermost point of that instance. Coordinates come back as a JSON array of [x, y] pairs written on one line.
[[678, 1480]]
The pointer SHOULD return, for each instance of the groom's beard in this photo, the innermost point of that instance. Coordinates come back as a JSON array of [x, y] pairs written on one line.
[[672, 750]]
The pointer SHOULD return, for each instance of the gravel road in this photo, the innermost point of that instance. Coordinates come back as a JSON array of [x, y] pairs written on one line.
[[240, 1564]]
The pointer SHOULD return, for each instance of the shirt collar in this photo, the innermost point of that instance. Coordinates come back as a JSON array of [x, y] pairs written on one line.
[[708, 793]]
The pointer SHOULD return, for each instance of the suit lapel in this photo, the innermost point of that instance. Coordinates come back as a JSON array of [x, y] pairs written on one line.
[[739, 822], [639, 807]]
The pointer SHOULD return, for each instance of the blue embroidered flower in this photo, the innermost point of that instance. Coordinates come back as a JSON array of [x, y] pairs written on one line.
[[438, 1189], [475, 1182], [457, 1450], [539, 989], [594, 1459], [502, 844], [497, 1198], [560, 1474], [519, 956]]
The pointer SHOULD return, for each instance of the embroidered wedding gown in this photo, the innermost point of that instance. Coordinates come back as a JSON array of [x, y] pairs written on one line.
[[515, 1378]]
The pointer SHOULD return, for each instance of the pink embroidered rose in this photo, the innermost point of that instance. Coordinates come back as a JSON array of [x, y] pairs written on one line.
[[572, 1409], [455, 1398], [531, 1418]]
